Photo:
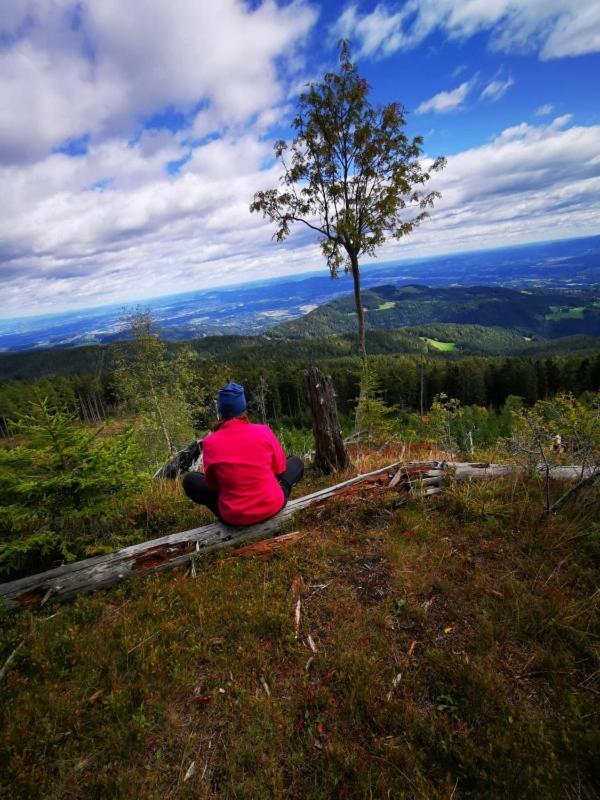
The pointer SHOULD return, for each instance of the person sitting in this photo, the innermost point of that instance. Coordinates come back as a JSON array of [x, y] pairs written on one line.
[[247, 477]]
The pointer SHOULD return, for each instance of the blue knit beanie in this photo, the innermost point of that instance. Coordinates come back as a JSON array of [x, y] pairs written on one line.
[[231, 401]]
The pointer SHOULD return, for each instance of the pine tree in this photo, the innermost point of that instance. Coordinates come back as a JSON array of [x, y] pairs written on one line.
[[60, 485]]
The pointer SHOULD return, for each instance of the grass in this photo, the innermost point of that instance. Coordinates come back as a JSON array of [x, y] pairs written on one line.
[[386, 306], [557, 313], [455, 657], [445, 347]]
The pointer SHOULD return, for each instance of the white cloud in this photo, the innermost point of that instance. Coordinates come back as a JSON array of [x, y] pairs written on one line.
[[115, 223], [543, 111], [496, 89], [379, 32], [65, 244], [443, 102], [553, 28], [530, 183], [100, 66]]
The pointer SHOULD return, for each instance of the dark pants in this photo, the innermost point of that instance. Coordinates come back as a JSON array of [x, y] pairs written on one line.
[[194, 485]]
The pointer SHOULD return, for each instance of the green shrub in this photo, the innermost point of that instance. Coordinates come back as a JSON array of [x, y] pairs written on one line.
[[60, 486]]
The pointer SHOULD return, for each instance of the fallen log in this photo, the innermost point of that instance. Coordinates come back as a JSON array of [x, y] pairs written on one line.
[[465, 470], [101, 572], [264, 549]]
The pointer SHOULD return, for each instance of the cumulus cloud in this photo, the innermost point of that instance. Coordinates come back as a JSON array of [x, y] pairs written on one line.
[[496, 89], [553, 28], [99, 203], [443, 102], [543, 111], [529, 183], [99, 66], [112, 225], [142, 211], [380, 32]]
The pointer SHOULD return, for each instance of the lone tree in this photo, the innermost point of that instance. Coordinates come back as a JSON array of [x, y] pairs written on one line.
[[351, 174]]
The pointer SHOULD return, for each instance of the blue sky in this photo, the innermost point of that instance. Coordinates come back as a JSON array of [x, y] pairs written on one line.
[[137, 133]]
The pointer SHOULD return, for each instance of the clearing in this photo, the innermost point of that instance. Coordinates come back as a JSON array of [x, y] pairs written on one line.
[[557, 313], [437, 345]]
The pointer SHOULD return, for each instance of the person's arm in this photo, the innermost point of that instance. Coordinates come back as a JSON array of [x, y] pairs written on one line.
[[209, 475], [278, 460]]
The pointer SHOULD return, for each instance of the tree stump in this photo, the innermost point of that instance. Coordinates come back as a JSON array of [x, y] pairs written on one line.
[[330, 452]]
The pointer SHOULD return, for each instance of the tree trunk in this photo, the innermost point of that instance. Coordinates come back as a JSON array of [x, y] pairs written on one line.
[[362, 344], [330, 453]]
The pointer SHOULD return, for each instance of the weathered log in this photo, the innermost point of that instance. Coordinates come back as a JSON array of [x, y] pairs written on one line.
[[265, 548], [585, 482], [177, 549], [100, 572], [330, 453], [415, 471], [466, 470]]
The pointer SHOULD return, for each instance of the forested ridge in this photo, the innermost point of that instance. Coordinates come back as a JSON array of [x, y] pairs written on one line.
[[548, 313], [475, 379]]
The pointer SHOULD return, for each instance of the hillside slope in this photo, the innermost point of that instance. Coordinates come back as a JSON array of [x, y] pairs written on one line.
[[536, 312], [445, 648], [467, 340]]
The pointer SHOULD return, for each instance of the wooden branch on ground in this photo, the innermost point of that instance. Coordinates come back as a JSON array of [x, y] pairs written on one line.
[[587, 481], [10, 659], [101, 572]]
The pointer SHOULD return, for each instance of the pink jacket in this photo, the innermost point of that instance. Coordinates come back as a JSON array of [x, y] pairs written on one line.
[[241, 461]]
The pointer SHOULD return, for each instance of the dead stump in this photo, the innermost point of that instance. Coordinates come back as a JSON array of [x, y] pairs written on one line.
[[330, 452]]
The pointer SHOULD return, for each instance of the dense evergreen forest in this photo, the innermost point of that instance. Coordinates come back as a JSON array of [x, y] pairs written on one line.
[[406, 381]]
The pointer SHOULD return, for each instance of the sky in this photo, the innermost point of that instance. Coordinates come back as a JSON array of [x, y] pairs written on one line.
[[133, 135]]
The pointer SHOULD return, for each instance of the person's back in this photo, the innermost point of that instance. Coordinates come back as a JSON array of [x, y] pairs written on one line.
[[247, 476], [241, 461]]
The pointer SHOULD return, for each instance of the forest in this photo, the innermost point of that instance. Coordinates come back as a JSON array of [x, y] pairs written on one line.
[[548, 313], [408, 381]]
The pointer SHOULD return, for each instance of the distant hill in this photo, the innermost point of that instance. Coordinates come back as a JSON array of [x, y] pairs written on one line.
[[548, 313], [444, 340], [252, 308]]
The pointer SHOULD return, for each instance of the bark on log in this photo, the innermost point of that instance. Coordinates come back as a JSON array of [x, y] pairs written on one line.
[[466, 470], [583, 483], [330, 453]]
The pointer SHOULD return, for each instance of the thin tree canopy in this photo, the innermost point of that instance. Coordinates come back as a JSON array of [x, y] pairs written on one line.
[[351, 174]]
